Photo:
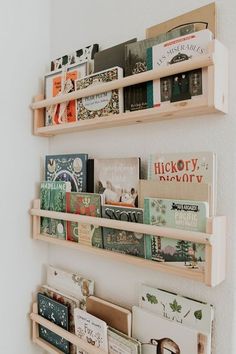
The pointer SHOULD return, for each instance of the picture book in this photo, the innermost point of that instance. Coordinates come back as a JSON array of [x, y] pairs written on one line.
[[187, 167], [177, 214], [59, 82], [53, 198], [104, 103], [69, 167], [160, 335], [181, 86], [122, 241], [71, 283], [119, 343], [116, 179], [115, 316], [84, 204], [58, 314], [90, 329]]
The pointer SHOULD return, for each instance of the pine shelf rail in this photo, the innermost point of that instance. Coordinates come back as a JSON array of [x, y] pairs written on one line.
[[214, 241], [215, 101], [72, 338]]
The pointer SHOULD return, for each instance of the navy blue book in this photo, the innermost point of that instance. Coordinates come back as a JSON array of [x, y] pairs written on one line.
[[57, 313]]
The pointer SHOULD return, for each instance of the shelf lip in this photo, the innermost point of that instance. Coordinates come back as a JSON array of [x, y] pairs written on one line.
[[191, 64], [177, 234]]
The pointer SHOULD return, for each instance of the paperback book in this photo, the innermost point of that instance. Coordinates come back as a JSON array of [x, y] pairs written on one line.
[[127, 242], [119, 343], [58, 314], [69, 167], [84, 204], [178, 214], [104, 103]]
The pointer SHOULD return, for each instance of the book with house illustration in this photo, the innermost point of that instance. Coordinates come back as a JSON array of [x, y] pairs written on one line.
[[177, 214], [84, 204]]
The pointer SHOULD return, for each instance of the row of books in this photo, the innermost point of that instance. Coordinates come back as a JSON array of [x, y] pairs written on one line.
[[163, 322], [88, 67]]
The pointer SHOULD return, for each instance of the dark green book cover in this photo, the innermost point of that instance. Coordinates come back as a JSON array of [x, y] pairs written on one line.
[[58, 314]]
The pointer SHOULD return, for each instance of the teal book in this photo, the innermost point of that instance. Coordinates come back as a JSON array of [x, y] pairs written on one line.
[[177, 214], [126, 242], [53, 198], [57, 313]]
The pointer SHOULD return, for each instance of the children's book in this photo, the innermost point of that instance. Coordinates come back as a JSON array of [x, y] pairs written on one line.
[[119, 343]]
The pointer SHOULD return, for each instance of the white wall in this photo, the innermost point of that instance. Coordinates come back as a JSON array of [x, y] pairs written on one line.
[[108, 22], [24, 29]]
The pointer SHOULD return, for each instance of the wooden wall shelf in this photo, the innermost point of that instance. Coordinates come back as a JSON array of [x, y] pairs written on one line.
[[215, 101], [214, 241]]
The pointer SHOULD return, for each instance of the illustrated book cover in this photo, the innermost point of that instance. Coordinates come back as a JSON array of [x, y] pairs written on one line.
[[104, 103], [182, 86], [177, 214], [53, 198], [127, 242], [90, 329], [160, 335], [84, 204], [73, 284], [119, 343], [58, 314], [115, 316], [187, 167], [60, 82], [69, 167]]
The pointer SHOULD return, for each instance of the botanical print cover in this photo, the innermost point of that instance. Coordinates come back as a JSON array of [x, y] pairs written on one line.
[[182, 86], [177, 214], [117, 179], [127, 242], [58, 314], [69, 167], [72, 284], [84, 204], [90, 329], [160, 335], [102, 104], [119, 343]]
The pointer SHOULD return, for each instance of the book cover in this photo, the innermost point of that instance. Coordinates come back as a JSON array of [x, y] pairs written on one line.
[[187, 167], [84, 204], [56, 313], [182, 86], [117, 180], [102, 104], [90, 329], [160, 335], [178, 214], [122, 241], [53, 198], [69, 167], [72, 284], [59, 82], [115, 316], [119, 343]]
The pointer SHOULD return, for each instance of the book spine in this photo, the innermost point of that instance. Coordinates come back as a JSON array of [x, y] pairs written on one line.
[[149, 83], [90, 176], [148, 238]]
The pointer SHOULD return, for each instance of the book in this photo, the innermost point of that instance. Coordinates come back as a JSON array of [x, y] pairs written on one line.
[[115, 316], [116, 179], [78, 56], [178, 214], [59, 82], [71, 283], [136, 62], [84, 204], [127, 242], [181, 86], [69, 167], [90, 329], [53, 198], [119, 343], [58, 314], [104, 103], [160, 335], [187, 167]]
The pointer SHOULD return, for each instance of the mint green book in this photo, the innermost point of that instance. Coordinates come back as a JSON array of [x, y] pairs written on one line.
[[177, 214]]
